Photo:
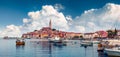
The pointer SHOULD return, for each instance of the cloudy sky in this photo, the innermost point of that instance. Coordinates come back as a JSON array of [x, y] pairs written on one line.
[[21, 16]]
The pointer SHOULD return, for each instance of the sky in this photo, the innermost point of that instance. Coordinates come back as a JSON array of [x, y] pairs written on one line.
[[21, 16]]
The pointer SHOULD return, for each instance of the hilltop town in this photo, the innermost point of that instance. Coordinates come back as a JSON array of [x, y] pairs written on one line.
[[49, 32]]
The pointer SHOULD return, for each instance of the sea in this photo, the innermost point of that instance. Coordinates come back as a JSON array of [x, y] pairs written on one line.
[[38, 48]]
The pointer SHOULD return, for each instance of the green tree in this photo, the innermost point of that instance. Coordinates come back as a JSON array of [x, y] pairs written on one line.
[[111, 33], [53, 29]]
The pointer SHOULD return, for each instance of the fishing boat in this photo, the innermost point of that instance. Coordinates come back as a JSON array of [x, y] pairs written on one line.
[[113, 51], [20, 42]]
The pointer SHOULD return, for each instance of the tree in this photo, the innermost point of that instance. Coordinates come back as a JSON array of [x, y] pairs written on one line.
[[115, 32], [111, 33], [81, 36], [35, 30], [53, 29]]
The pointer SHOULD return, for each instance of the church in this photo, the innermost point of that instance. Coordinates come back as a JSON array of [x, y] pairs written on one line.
[[48, 32]]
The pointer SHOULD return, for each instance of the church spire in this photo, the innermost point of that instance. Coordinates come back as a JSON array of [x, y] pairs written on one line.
[[50, 24]]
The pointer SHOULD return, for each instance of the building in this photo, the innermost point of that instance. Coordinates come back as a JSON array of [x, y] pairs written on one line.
[[48, 32], [90, 35], [118, 34], [98, 34], [102, 34]]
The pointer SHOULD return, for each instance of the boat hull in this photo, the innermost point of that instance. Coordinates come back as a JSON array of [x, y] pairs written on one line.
[[100, 49], [115, 53], [86, 44], [20, 43], [96, 42]]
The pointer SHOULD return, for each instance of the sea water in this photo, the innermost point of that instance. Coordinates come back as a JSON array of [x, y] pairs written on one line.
[[37, 48]]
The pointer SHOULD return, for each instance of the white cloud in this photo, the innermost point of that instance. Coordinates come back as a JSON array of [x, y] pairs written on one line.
[[91, 20], [100, 19], [37, 20], [79, 28], [58, 7], [11, 30]]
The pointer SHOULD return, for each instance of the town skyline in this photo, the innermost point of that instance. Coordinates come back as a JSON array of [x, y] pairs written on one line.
[[18, 18]]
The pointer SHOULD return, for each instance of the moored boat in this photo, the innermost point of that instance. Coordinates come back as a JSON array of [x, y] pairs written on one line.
[[86, 43], [96, 42], [113, 51], [20, 42], [56, 40]]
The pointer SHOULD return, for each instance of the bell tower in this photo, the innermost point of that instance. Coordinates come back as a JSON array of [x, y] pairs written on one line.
[[50, 24]]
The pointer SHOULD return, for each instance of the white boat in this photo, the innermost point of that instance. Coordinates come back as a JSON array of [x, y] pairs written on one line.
[[113, 51], [86, 43], [55, 40], [96, 42]]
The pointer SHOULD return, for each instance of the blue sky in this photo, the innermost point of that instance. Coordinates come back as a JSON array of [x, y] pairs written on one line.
[[21, 16], [13, 11]]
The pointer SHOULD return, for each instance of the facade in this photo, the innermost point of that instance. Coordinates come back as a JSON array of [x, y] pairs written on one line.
[[48, 32], [101, 34], [89, 35], [118, 34]]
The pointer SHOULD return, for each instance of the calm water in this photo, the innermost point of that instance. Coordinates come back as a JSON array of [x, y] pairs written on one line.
[[36, 48]]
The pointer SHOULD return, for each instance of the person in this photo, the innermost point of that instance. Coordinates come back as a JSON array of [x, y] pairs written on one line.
[[99, 45], [17, 40]]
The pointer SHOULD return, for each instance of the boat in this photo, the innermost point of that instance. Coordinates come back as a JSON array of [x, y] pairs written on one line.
[[28, 38], [96, 42], [86, 43], [113, 51], [20, 42], [56, 40]]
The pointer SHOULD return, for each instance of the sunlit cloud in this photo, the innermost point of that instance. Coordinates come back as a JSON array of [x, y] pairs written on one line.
[[90, 20]]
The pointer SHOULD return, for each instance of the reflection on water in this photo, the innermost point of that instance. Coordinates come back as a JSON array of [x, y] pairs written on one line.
[[102, 54], [36, 48], [19, 47], [20, 50]]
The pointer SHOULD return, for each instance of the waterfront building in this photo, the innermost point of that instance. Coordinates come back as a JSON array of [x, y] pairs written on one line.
[[118, 34], [89, 35], [102, 34], [48, 32], [97, 34]]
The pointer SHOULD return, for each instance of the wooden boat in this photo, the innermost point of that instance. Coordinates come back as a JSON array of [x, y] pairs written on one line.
[[19, 42], [113, 51]]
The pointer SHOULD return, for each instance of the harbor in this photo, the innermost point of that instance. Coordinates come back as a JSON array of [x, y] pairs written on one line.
[[59, 28], [42, 48]]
